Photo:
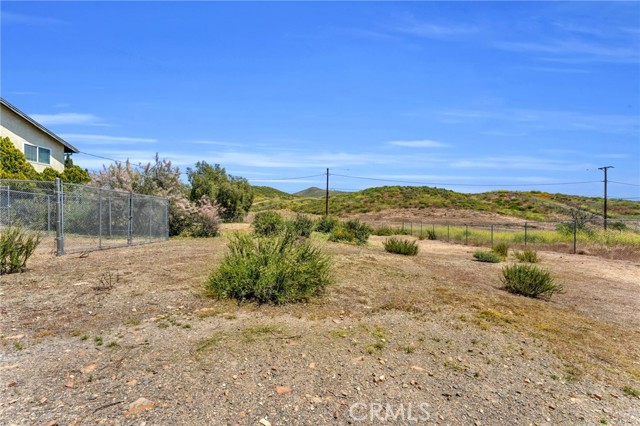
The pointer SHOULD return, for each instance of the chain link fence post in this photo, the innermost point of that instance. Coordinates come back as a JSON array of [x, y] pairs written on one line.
[[100, 218], [60, 214], [575, 235], [130, 220]]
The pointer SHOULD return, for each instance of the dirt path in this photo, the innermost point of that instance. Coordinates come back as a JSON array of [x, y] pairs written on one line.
[[85, 338]]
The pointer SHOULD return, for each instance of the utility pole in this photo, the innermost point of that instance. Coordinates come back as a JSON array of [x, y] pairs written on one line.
[[326, 197], [605, 192]]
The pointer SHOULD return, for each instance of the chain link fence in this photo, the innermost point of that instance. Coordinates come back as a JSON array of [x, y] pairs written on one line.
[[81, 218], [569, 236]]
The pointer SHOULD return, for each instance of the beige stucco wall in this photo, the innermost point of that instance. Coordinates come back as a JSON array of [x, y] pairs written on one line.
[[20, 132]]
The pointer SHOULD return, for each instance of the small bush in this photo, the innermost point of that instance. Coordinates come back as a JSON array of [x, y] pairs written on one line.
[[631, 391], [618, 226], [301, 226], [386, 231], [529, 280], [276, 269], [487, 256], [501, 249], [431, 234], [401, 246], [527, 255], [16, 247], [268, 223], [326, 224], [351, 231]]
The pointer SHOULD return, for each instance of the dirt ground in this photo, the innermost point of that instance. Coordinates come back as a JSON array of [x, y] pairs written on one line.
[[126, 336]]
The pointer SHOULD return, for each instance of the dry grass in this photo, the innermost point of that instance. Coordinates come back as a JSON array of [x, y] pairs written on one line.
[[442, 285]]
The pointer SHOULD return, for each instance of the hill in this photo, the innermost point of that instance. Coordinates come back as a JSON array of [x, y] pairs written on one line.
[[531, 205], [268, 193], [315, 192]]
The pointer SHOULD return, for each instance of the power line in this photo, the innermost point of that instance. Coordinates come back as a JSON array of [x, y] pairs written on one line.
[[624, 183], [466, 184], [285, 178]]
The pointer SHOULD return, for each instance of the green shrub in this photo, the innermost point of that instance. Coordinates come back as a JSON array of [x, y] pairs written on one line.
[[276, 269], [487, 256], [631, 391], [401, 246], [529, 280], [501, 249], [301, 226], [527, 255], [618, 226], [268, 223], [386, 231], [431, 234], [326, 224], [16, 246], [351, 231]]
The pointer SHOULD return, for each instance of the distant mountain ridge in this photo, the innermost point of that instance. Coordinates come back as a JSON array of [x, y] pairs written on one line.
[[315, 192]]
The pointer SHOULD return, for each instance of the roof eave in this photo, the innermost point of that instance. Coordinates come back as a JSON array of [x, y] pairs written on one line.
[[68, 148]]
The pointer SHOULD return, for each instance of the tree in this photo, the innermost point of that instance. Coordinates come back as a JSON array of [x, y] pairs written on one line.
[[198, 218], [119, 176], [73, 173], [13, 163], [232, 194]]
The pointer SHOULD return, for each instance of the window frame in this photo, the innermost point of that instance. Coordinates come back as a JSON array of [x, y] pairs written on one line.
[[38, 150]]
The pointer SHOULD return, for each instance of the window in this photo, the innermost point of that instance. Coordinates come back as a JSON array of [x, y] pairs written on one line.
[[31, 152], [37, 154], [44, 155]]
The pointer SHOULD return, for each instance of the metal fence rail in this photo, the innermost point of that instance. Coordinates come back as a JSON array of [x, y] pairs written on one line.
[[83, 218], [565, 236]]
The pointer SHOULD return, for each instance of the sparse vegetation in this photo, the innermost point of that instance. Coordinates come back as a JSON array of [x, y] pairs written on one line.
[[270, 270], [16, 247], [501, 249], [326, 224], [534, 205], [631, 391], [107, 281], [352, 231], [527, 255], [386, 231], [487, 256], [301, 226], [401, 246], [530, 281], [268, 223]]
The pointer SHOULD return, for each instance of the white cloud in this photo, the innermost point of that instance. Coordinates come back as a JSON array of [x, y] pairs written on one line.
[[104, 139], [66, 118], [520, 163], [19, 18], [532, 119], [574, 51], [216, 143], [425, 143], [410, 25]]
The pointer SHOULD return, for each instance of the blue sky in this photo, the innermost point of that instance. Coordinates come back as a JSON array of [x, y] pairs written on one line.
[[456, 95]]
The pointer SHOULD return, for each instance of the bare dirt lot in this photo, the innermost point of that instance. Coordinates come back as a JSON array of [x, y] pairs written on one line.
[[126, 337]]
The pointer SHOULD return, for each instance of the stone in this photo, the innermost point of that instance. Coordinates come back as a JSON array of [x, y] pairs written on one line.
[[87, 369], [138, 406], [283, 390]]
